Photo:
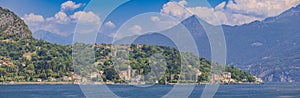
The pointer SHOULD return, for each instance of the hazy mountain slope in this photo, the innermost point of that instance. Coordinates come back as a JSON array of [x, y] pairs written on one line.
[[53, 38], [250, 42], [66, 40], [261, 43], [276, 55], [192, 25]]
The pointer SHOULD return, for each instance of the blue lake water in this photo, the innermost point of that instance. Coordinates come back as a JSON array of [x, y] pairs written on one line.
[[268, 90]]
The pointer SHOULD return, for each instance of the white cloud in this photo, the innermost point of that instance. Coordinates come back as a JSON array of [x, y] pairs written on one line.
[[257, 44], [155, 18], [38, 23], [174, 9], [182, 2], [243, 12], [86, 17], [89, 22], [110, 25], [136, 29], [64, 24], [70, 5], [33, 21], [60, 17], [263, 8], [33, 18], [208, 14]]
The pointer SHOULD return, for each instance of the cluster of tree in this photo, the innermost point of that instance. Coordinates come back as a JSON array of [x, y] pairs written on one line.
[[32, 59], [23, 58], [240, 75], [179, 66]]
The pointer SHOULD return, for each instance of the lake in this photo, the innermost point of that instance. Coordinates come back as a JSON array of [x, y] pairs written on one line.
[[267, 90]]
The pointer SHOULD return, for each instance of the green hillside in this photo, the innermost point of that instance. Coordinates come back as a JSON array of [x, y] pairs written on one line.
[[25, 59]]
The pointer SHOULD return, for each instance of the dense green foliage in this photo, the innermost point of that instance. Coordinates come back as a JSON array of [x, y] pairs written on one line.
[[240, 75], [23, 59], [30, 60]]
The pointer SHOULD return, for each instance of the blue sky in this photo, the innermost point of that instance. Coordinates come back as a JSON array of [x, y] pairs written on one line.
[[48, 8], [133, 8], [60, 16]]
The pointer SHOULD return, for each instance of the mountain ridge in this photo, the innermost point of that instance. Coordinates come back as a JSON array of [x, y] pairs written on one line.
[[250, 45], [53, 38], [12, 26], [276, 56]]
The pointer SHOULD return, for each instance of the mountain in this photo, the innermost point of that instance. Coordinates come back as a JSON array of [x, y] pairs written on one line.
[[23, 58], [269, 48], [12, 26], [191, 24], [52, 37], [279, 59], [251, 42], [66, 40]]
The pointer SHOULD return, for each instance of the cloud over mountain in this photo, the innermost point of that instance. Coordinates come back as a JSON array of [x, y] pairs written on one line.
[[241, 12]]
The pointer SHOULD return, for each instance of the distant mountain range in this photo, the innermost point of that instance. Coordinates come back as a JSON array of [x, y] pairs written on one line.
[[279, 58], [65, 40], [269, 49], [52, 37]]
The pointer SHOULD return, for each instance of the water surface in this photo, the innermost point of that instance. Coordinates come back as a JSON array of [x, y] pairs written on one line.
[[268, 90]]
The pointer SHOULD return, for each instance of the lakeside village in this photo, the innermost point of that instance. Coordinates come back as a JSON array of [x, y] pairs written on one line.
[[127, 75]]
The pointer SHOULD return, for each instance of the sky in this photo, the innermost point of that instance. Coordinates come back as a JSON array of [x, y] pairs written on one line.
[[60, 16]]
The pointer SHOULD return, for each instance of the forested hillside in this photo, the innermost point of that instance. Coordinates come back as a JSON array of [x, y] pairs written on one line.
[[25, 59]]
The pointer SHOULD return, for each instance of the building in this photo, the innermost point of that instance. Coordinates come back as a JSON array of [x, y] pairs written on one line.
[[94, 75], [126, 74], [226, 75]]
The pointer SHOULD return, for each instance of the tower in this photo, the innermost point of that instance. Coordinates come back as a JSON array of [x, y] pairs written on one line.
[[129, 72]]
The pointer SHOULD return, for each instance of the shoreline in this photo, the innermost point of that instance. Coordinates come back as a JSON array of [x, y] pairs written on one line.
[[35, 83], [97, 83]]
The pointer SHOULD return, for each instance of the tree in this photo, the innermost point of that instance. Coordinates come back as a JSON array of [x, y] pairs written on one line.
[[2, 72], [30, 67], [111, 74], [250, 78], [43, 76]]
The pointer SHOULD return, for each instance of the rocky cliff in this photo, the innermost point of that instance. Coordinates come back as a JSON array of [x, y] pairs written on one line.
[[12, 27]]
